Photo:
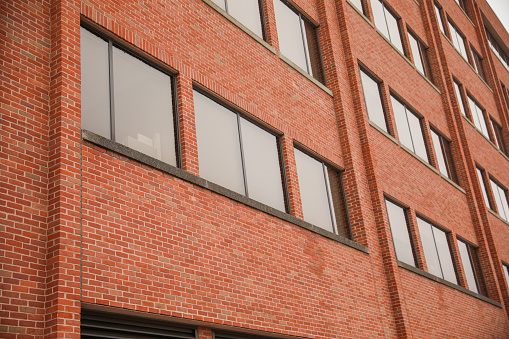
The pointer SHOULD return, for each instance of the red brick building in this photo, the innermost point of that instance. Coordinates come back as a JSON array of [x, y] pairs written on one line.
[[254, 169]]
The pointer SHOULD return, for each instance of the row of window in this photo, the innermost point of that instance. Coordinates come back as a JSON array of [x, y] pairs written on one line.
[[497, 198], [479, 117], [459, 42], [437, 248], [497, 49], [409, 126], [130, 102]]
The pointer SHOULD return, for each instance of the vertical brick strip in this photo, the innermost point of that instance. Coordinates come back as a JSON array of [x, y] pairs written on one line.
[[188, 142], [291, 177]]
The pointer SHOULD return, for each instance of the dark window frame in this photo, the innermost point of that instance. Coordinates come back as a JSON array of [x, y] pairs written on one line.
[[383, 103], [484, 114], [478, 63], [439, 12], [423, 54], [387, 8], [452, 171], [484, 184], [499, 136], [475, 262], [263, 24], [458, 32], [506, 194], [463, 103]]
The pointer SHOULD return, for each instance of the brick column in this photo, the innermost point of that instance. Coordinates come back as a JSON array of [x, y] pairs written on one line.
[[186, 118]]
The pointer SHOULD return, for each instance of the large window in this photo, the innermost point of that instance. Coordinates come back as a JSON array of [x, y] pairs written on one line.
[[398, 222], [237, 154], [437, 251], [499, 136], [478, 116], [472, 268], [298, 40], [444, 156], [482, 182], [500, 194], [126, 100], [459, 96], [387, 23], [420, 55], [409, 129], [458, 40], [373, 100], [322, 195], [247, 12], [478, 63]]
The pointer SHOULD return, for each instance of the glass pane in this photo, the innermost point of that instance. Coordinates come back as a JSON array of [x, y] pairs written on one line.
[[414, 45], [460, 98], [400, 234], [95, 85], [462, 47], [478, 114], [248, 13], [451, 168], [313, 192], [444, 253], [143, 108], [467, 266], [506, 271], [313, 49], [505, 203], [500, 199], [218, 144], [439, 18], [261, 160], [438, 151], [339, 202], [373, 100], [392, 24], [220, 3], [357, 4], [290, 34], [402, 123], [483, 187], [417, 136], [430, 250], [379, 15]]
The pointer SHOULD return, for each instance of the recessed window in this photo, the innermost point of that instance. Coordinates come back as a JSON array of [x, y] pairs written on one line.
[[500, 194], [478, 64], [444, 156], [458, 40], [420, 55], [497, 49], [482, 182], [478, 117], [373, 100], [506, 272], [499, 136], [459, 96], [237, 154], [398, 222], [126, 100], [463, 5], [437, 251], [440, 18], [322, 194], [247, 12], [359, 4], [472, 268], [298, 40], [409, 129], [387, 23]]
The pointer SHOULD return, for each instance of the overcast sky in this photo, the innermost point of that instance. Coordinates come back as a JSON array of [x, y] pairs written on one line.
[[501, 9]]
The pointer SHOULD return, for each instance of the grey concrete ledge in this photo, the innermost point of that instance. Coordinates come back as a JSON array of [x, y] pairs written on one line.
[[195, 180], [360, 13], [240, 25], [453, 183], [447, 283], [482, 134], [386, 134], [424, 162], [304, 73], [498, 216]]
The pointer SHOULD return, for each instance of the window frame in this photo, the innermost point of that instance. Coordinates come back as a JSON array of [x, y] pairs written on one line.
[[475, 115], [463, 6], [478, 63], [406, 210], [263, 26], [114, 41], [498, 134], [475, 264], [386, 8], [381, 96], [422, 49], [439, 12], [481, 176], [505, 268], [454, 30], [461, 99], [452, 171], [505, 214]]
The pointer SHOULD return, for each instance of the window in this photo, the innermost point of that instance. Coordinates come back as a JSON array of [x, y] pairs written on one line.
[[237, 154], [440, 18], [322, 195], [443, 152], [459, 96], [387, 23], [478, 64], [482, 182], [247, 12], [437, 251], [499, 136], [398, 222], [458, 40], [373, 100], [506, 272], [463, 5], [500, 194], [359, 4], [420, 55], [298, 40], [126, 100], [409, 129], [497, 49], [472, 268], [478, 116]]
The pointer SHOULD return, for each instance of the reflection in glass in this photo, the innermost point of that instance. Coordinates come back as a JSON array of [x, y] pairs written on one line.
[[480, 176], [373, 101], [414, 46], [444, 253], [402, 123], [400, 233], [501, 200], [417, 136], [429, 247], [467, 266], [393, 27], [248, 13], [460, 98]]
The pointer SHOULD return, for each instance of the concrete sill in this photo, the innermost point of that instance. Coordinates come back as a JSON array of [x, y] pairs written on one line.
[[484, 136], [447, 283], [360, 13], [200, 182], [386, 134], [498, 216]]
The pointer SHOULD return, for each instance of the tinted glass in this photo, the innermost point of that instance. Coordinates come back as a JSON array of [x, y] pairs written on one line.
[[460, 98], [439, 154], [439, 18], [392, 24], [483, 186], [414, 45], [417, 136], [248, 13], [95, 82], [444, 253], [373, 100], [430, 250], [400, 234], [143, 108], [218, 144], [313, 191], [290, 34], [338, 202], [402, 123], [467, 266], [379, 15], [262, 168], [500, 200]]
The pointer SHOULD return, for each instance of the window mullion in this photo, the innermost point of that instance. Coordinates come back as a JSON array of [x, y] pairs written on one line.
[[239, 128], [112, 90], [304, 44], [226, 6], [436, 249]]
